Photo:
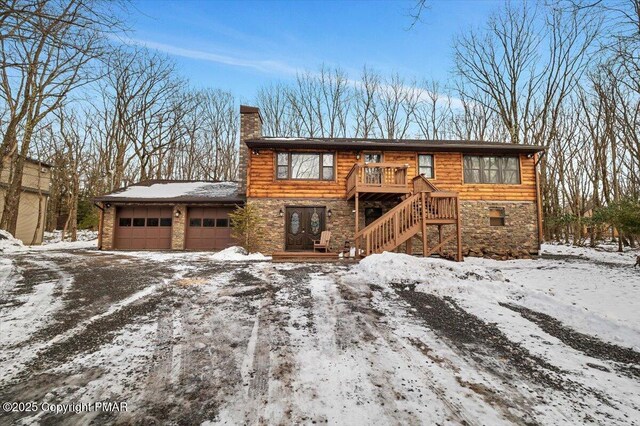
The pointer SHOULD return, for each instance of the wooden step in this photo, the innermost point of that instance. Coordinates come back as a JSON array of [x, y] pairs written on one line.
[[304, 256]]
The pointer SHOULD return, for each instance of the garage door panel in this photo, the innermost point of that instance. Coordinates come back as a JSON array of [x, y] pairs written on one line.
[[208, 228], [138, 228], [137, 244]]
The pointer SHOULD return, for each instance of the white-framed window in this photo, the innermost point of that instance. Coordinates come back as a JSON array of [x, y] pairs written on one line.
[[425, 165]]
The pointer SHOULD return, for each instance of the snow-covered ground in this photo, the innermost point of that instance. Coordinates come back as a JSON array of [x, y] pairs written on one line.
[[55, 237], [232, 338], [86, 239]]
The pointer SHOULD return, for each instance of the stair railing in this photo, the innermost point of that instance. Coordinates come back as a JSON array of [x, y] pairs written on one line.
[[387, 231], [401, 222]]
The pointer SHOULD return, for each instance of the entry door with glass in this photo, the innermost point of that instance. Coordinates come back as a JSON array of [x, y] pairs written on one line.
[[303, 226]]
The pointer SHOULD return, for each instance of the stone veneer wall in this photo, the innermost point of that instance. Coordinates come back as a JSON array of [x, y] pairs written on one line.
[[108, 224], [178, 227], [517, 239], [250, 128], [341, 223]]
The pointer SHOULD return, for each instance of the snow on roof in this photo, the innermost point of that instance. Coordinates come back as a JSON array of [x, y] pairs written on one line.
[[177, 190]]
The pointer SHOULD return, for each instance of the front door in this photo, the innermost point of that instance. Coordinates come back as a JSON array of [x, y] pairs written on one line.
[[303, 226]]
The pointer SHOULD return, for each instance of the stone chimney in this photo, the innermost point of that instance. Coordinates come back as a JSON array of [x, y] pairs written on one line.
[[250, 128]]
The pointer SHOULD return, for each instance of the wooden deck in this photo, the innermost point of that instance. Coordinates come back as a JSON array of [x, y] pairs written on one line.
[[377, 181], [305, 256]]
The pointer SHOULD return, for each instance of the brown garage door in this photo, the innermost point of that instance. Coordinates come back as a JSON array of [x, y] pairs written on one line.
[[208, 228], [143, 227]]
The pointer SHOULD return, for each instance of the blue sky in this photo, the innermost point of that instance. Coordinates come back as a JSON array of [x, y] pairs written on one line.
[[242, 45]]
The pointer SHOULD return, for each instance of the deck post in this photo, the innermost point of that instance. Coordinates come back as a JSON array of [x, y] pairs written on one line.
[[458, 231], [409, 249], [440, 239], [356, 241], [425, 246]]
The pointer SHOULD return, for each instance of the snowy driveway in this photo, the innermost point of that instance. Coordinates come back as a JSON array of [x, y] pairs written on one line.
[[189, 338]]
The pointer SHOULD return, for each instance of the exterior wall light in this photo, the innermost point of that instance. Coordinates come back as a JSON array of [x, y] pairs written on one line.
[[357, 156], [281, 213], [178, 213], [329, 213], [108, 205], [255, 152]]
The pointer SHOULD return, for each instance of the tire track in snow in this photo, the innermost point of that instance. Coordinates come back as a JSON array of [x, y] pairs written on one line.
[[589, 345], [417, 382], [88, 334]]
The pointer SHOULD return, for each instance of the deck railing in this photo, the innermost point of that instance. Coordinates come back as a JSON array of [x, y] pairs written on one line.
[[441, 205], [377, 176]]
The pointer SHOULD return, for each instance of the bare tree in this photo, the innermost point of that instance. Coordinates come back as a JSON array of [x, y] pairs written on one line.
[[366, 98], [55, 50], [522, 70], [274, 106], [398, 103], [433, 112]]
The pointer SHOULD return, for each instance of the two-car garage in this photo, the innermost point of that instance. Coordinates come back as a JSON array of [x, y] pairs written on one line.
[[169, 215]]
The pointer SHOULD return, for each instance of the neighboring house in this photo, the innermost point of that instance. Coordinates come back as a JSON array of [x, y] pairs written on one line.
[[382, 194], [164, 215], [420, 196], [32, 209]]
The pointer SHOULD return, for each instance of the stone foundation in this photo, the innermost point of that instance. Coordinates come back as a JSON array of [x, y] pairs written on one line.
[[517, 239]]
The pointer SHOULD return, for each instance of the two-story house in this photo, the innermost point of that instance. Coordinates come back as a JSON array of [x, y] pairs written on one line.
[[420, 196], [468, 197]]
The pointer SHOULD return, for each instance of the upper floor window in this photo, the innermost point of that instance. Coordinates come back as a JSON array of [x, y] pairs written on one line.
[[425, 165], [373, 157], [305, 165], [486, 169]]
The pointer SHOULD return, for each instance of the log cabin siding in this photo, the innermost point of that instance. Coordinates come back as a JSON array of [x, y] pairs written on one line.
[[448, 176]]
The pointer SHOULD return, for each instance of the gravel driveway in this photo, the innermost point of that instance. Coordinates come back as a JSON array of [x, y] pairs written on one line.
[[182, 339]]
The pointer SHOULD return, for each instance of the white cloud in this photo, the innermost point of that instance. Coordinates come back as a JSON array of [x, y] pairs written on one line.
[[264, 65]]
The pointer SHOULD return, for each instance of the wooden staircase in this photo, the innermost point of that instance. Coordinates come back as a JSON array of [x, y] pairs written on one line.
[[409, 218]]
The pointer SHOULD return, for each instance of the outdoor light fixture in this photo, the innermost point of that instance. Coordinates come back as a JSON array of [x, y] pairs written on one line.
[[178, 213], [529, 155], [281, 213], [108, 205], [329, 213], [357, 156], [255, 152]]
